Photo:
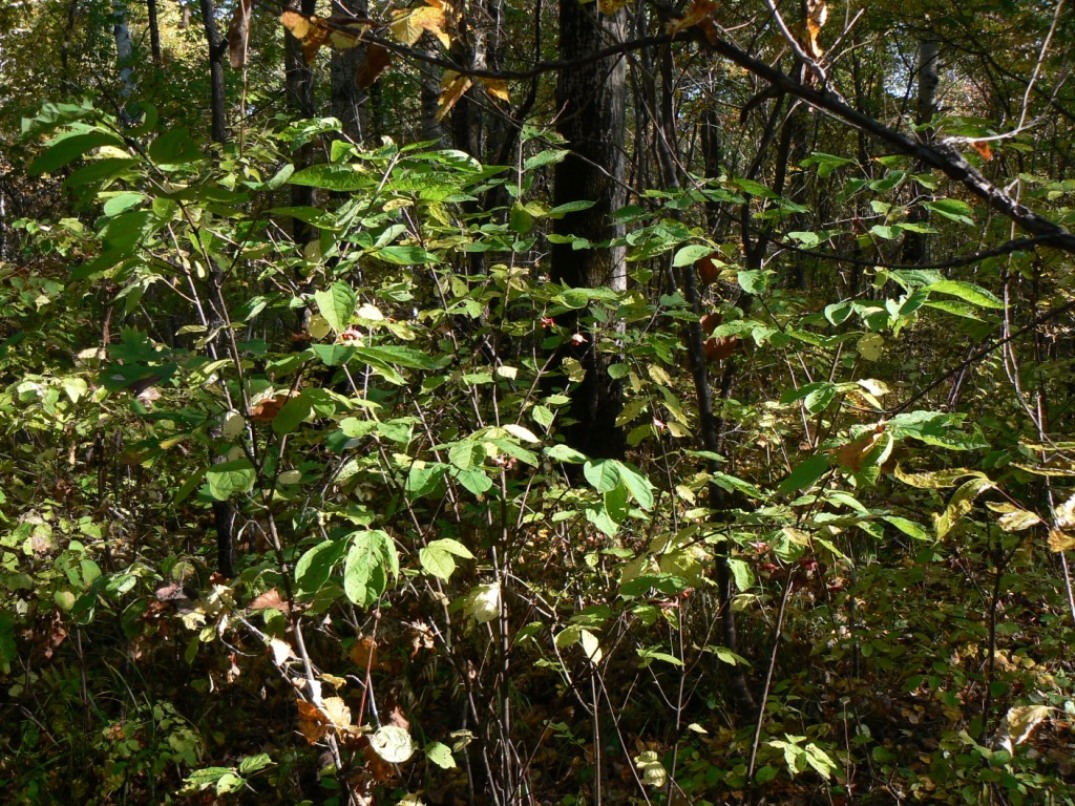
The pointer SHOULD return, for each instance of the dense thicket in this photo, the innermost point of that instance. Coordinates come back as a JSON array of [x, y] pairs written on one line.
[[529, 402]]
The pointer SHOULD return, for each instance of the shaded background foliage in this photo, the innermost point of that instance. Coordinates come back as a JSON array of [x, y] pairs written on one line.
[[611, 402]]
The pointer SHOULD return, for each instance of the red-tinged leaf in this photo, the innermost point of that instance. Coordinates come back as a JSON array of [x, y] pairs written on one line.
[[695, 13], [298, 24], [377, 60], [239, 34], [983, 149], [271, 599]]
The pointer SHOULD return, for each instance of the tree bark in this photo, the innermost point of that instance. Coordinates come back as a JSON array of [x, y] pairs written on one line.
[[299, 84], [592, 120], [915, 244], [217, 49], [348, 101], [154, 33]]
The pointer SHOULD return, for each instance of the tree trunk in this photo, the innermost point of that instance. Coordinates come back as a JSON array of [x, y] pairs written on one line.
[[348, 101], [121, 32], [915, 245], [217, 49], [592, 120], [299, 84], [154, 33]]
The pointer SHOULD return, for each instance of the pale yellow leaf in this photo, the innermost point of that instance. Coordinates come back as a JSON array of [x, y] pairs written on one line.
[[452, 87], [1065, 514], [496, 87], [1060, 541]]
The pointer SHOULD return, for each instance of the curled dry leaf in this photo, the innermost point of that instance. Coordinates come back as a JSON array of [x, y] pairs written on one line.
[[364, 653], [377, 60], [316, 723], [270, 600], [239, 34]]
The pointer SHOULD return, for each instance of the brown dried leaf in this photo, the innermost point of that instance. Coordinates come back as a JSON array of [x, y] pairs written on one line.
[[239, 34], [452, 87], [271, 599], [317, 36], [339, 715], [695, 13], [364, 653], [266, 409], [853, 454], [377, 59], [610, 6], [312, 723]]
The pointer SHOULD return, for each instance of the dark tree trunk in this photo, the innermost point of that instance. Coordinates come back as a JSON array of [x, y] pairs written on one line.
[[217, 50], [154, 33], [348, 101], [592, 120], [915, 245], [299, 83]]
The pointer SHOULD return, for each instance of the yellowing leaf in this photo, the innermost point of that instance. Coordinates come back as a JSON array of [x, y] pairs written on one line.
[[496, 87], [817, 14], [408, 26], [452, 87], [1019, 722], [870, 346], [296, 23], [1060, 541], [610, 6], [1018, 520]]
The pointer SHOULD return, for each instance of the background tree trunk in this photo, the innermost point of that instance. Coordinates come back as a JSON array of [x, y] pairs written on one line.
[[217, 49], [590, 99]]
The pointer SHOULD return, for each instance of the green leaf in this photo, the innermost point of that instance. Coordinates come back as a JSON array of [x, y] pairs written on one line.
[[473, 480], [371, 558], [337, 305], [339, 178], [952, 209], [440, 754], [544, 158], [603, 474], [405, 255], [565, 454], [968, 292], [173, 147], [292, 414], [908, 527], [640, 487], [315, 567], [252, 764], [805, 474], [753, 281], [67, 147], [229, 478], [688, 255], [467, 455]]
